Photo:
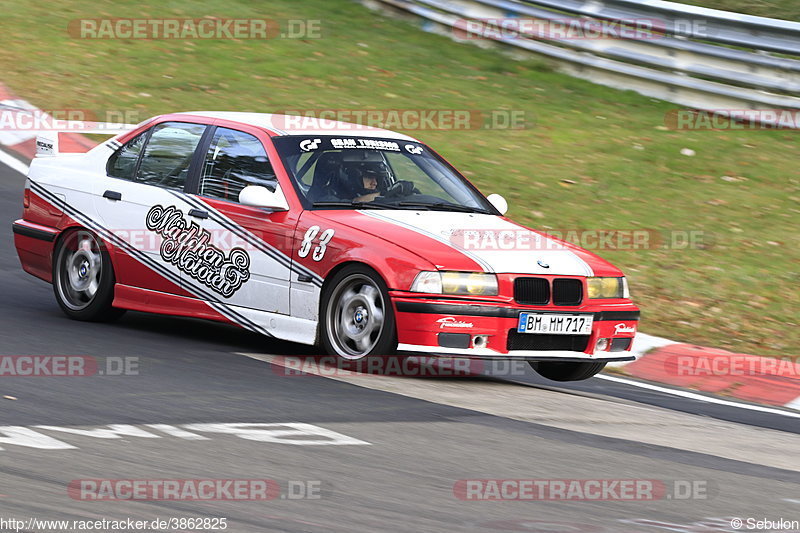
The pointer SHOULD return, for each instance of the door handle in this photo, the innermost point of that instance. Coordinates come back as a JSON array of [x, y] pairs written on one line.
[[113, 195], [197, 213]]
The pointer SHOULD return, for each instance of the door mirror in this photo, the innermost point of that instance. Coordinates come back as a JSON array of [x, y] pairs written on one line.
[[258, 196], [498, 202]]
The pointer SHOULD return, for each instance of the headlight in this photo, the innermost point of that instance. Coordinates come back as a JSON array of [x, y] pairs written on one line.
[[427, 282], [608, 288], [467, 283]]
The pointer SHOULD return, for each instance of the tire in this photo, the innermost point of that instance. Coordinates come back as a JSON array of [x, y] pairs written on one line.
[[83, 278], [356, 316], [556, 371]]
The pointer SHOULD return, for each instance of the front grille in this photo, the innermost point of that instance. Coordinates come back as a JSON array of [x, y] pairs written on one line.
[[567, 291], [532, 291], [544, 342]]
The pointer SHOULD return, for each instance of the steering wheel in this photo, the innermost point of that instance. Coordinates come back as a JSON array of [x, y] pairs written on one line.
[[400, 188]]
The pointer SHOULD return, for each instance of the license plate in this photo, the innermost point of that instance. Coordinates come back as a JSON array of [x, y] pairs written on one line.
[[555, 324]]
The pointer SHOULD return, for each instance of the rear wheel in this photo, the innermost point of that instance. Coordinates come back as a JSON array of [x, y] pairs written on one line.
[[83, 278], [357, 319], [557, 371]]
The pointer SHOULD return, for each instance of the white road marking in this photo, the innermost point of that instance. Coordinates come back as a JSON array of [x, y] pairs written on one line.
[[177, 432], [289, 433], [13, 163], [794, 404], [295, 433], [699, 397], [112, 431], [22, 436]]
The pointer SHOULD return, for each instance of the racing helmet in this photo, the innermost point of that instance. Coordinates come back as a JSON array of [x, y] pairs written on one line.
[[358, 172]]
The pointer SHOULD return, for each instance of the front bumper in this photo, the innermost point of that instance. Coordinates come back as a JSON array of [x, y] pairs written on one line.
[[485, 329]]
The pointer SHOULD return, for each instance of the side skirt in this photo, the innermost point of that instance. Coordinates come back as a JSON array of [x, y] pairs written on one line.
[[282, 327]]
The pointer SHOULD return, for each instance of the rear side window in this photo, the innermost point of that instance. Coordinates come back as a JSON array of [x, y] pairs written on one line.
[[235, 160], [123, 163], [169, 153]]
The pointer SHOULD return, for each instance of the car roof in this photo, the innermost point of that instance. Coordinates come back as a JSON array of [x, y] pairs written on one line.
[[284, 125]]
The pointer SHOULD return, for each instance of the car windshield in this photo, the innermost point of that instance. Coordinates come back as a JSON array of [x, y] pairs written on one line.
[[373, 173]]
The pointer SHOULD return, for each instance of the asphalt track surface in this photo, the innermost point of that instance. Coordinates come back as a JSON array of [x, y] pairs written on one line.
[[410, 440]]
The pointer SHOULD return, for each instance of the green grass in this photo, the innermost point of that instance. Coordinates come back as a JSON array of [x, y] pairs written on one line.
[[779, 9], [740, 293]]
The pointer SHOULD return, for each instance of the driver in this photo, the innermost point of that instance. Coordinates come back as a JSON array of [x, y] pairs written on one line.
[[367, 180]]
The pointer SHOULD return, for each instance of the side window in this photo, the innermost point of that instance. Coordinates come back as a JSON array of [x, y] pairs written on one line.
[[235, 160], [122, 164], [302, 164], [168, 154]]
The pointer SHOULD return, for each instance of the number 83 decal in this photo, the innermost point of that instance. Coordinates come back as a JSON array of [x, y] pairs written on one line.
[[308, 242]]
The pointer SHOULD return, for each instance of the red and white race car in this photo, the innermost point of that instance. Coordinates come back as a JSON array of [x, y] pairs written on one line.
[[360, 239]]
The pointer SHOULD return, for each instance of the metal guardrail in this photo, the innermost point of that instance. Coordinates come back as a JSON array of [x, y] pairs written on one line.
[[725, 27], [702, 58]]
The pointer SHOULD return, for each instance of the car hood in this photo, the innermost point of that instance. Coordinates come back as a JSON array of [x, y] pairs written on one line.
[[473, 241]]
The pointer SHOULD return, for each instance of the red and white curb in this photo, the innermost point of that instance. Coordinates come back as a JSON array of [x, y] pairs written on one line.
[[745, 377], [642, 344], [22, 140], [753, 378]]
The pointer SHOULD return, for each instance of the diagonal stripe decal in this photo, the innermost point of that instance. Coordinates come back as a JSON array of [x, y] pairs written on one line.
[[251, 238], [483, 264], [492, 259], [221, 307]]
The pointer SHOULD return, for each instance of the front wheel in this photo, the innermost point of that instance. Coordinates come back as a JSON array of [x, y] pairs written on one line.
[[357, 319], [557, 371], [83, 278]]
